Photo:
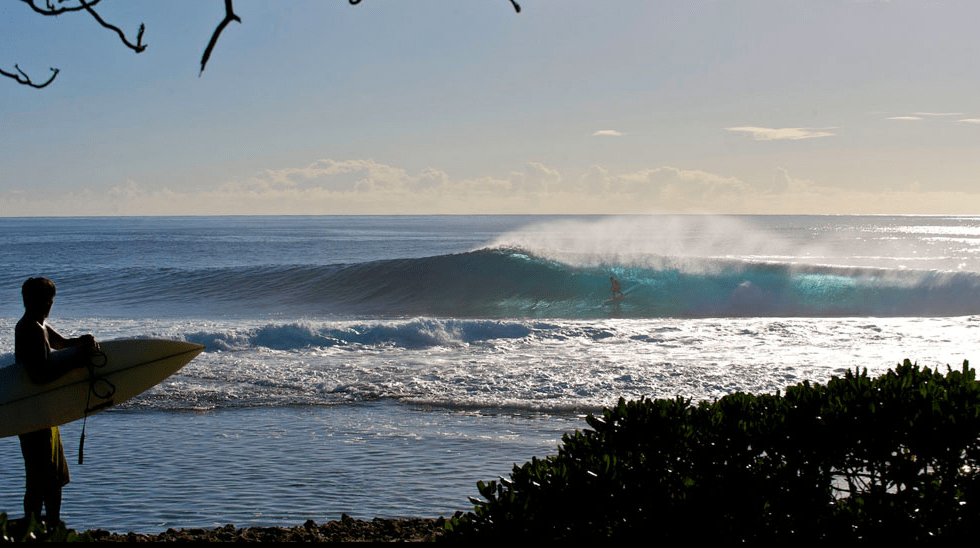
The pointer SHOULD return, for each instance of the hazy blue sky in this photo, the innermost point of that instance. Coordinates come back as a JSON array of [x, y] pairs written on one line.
[[464, 106]]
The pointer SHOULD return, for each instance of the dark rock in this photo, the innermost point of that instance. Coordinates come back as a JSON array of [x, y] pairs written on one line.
[[347, 529]]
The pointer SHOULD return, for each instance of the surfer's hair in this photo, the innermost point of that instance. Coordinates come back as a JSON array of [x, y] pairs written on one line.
[[37, 289]]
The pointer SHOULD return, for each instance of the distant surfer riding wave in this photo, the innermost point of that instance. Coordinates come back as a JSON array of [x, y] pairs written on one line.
[[617, 288]]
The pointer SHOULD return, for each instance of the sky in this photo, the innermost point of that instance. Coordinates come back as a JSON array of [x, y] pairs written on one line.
[[468, 107]]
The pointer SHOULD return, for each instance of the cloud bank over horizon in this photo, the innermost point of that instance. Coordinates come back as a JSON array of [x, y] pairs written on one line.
[[366, 187]]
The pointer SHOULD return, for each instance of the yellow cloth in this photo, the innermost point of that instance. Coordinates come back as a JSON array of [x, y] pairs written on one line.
[[44, 459]]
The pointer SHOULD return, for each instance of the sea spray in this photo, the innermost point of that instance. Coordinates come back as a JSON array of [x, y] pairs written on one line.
[[692, 243]]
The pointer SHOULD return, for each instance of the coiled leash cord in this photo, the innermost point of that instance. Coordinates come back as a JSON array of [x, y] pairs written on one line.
[[102, 389]]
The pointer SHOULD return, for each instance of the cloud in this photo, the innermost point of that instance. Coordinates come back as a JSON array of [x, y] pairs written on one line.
[[915, 116], [969, 121], [608, 133], [779, 134], [337, 176], [659, 188], [782, 183], [539, 177], [332, 187]]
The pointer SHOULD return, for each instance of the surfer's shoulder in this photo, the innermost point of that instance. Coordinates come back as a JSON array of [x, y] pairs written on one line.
[[30, 326]]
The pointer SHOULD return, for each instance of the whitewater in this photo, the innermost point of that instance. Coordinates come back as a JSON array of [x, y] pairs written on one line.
[[380, 366]]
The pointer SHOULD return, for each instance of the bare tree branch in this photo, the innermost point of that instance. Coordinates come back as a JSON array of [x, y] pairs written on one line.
[[50, 9], [89, 5], [23, 78], [229, 17], [138, 47]]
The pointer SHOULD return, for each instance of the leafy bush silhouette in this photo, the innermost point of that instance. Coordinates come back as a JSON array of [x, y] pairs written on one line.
[[29, 530], [889, 458]]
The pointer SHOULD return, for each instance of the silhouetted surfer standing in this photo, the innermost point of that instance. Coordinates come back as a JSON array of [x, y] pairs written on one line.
[[617, 288], [44, 456]]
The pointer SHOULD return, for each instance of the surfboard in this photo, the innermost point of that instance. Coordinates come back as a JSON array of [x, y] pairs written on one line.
[[620, 296], [130, 367]]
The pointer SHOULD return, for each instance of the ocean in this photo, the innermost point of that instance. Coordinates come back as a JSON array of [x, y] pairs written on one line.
[[381, 366]]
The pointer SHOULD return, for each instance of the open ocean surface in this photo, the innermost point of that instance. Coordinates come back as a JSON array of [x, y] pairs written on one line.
[[381, 366]]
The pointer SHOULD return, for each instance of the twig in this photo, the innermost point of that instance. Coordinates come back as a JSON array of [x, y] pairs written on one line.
[[22, 78], [229, 17], [50, 9], [138, 47], [89, 6]]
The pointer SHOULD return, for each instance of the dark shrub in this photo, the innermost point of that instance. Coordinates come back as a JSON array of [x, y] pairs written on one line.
[[889, 458], [28, 530]]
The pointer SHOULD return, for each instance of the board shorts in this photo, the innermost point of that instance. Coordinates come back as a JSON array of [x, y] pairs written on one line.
[[44, 459]]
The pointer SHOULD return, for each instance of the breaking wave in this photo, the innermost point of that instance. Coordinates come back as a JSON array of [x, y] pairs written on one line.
[[517, 283]]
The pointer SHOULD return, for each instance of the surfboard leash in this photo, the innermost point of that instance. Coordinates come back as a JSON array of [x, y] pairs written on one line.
[[97, 359]]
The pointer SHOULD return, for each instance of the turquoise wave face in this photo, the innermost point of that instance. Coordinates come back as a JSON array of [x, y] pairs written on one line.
[[511, 283]]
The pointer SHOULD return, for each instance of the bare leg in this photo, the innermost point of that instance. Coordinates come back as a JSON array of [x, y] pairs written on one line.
[[33, 502], [52, 503]]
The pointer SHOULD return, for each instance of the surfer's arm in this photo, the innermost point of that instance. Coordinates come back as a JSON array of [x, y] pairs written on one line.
[[43, 367], [58, 342]]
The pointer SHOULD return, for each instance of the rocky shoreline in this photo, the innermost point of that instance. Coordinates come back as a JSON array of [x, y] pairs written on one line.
[[347, 529]]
